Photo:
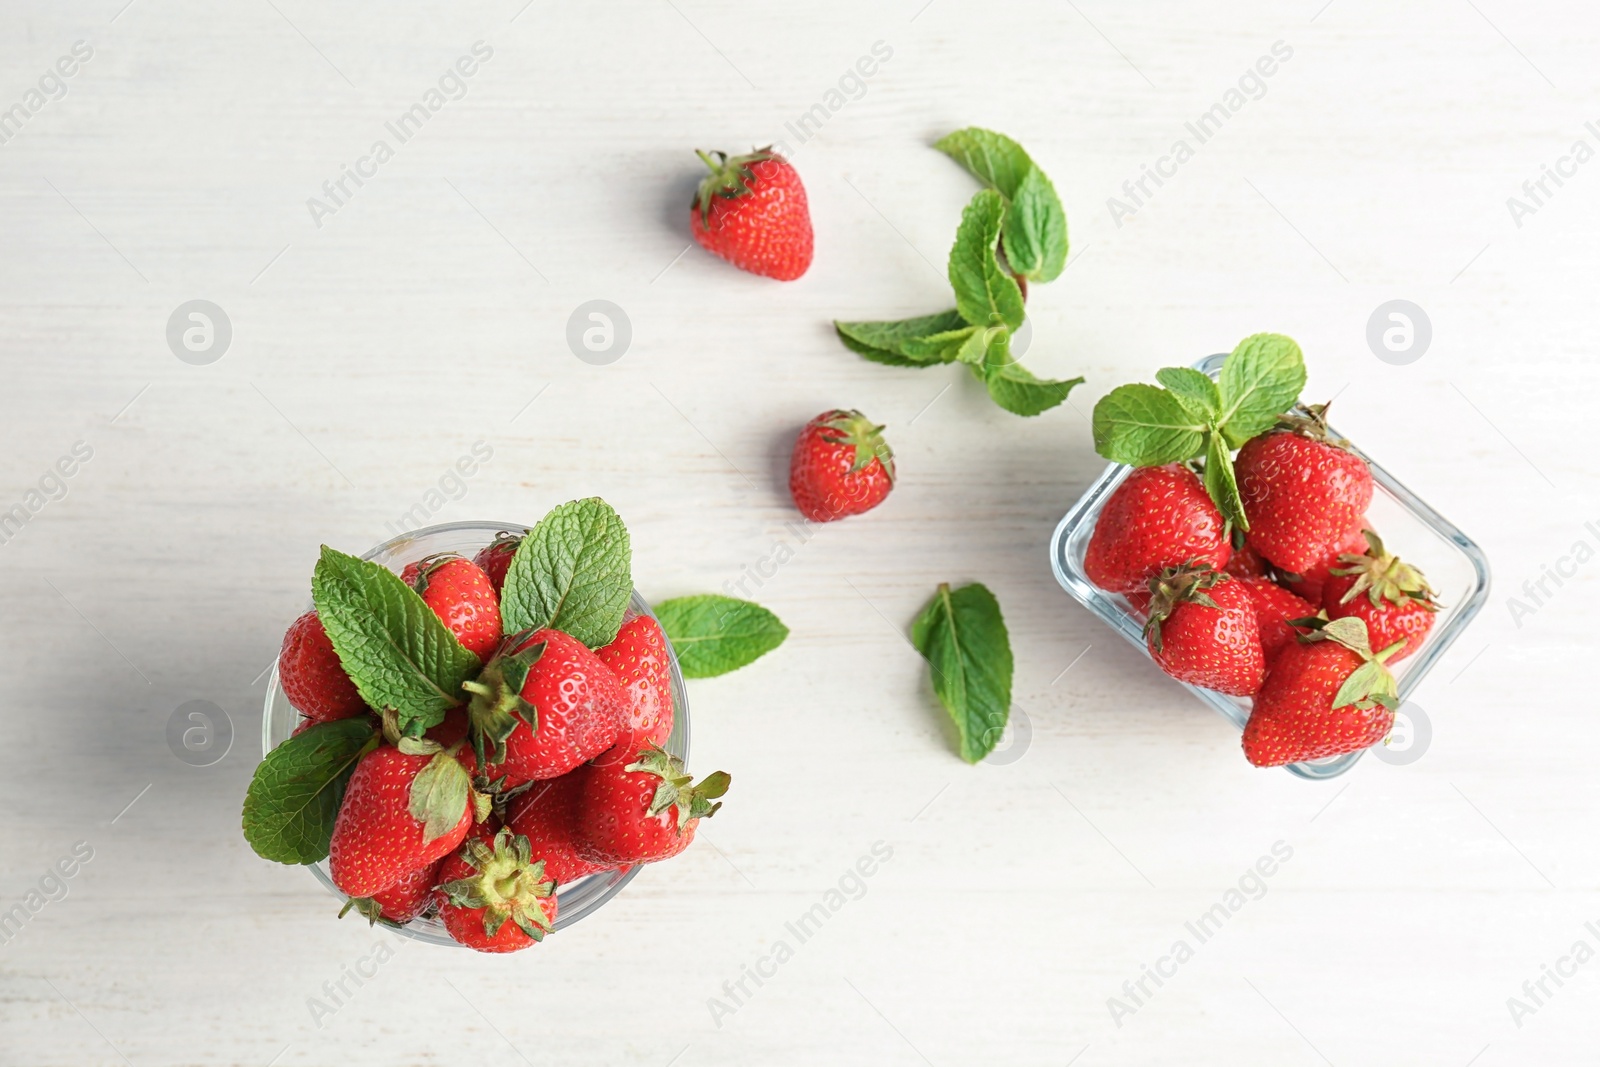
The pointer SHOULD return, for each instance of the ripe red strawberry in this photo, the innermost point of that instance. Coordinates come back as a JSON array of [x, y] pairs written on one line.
[[495, 557], [311, 675], [1309, 586], [751, 211], [1275, 606], [461, 594], [1301, 491], [1324, 696], [544, 705], [642, 807], [494, 895], [841, 466], [402, 810], [1246, 562], [1202, 630], [1158, 517], [1391, 597], [546, 815], [638, 657], [402, 901]]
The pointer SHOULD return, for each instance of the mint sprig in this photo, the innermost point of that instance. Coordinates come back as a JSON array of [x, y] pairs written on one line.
[[294, 796], [395, 649], [1013, 229], [1149, 426], [963, 637], [714, 634], [573, 572]]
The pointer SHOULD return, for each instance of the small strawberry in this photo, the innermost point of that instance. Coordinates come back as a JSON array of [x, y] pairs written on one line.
[[1275, 607], [494, 895], [638, 805], [1325, 695], [400, 902], [1302, 492], [404, 808], [542, 706], [1158, 517], [841, 466], [1245, 562], [1391, 597], [462, 595], [751, 211], [639, 659], [311, 675], [1309, 585], [1202, 630], [495, 557], [546, 815]]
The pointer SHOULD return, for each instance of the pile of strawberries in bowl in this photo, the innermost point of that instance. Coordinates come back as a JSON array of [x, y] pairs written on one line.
[[1241, 541], [479, 735]]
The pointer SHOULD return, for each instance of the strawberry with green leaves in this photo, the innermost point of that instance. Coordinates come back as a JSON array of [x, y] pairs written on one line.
[[547, 816], [1390, 596], [638, 806], [1309, 583], [463, 597], [1202, 630], [311, 675], [1327, 694], [1158, 517], [1302, 490], [495, 557], [840, 466], [544, 705], [640, 660], [494, 895], [751, 211]]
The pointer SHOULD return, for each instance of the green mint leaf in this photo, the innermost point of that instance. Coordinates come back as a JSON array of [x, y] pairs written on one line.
[[1220, 483], [975, 349], [396, 650], [941, 347], [1012, 386], [1195, 391], [963, 637], [992, 158], [714, 634], [1145, 426], [295, 793], [884, 342], [1035, 231], [573, 573], [1260, 380], [984, 291]]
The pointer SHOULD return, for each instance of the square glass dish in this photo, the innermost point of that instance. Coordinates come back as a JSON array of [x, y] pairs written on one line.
[[577, 898], [1454, 565]]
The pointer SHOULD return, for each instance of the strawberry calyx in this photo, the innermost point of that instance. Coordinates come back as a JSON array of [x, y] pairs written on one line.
[[507, 883], [859, 432], [1184, 584], [427, 566], [496, 706], [730, 177], [368, 909], [1311, 421], [1382, 576], [678, 789], [1370, 684]]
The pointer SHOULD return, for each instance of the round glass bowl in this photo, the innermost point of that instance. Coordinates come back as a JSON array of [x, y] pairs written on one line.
[[578, 898]]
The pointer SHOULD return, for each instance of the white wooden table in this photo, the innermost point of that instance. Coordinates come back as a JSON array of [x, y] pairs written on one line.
[[429, 312]]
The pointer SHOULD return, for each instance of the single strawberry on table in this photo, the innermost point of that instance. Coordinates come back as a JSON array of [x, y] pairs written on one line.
[[840, 466], [1327, 694], [1275, 607], [494, 894], [1202, 630], [1302, 491], [463, 597], [543, 705], [1390, 596], [1158, 517], [547, 815], [638, 806], [751, 211], [495, 557], [639, 659], [311, 675]]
